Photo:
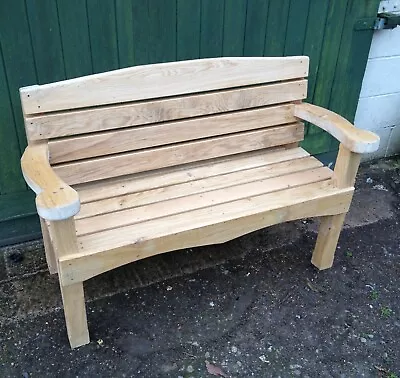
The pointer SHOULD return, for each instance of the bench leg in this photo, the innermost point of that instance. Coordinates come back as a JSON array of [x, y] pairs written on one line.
[[75, 314], [327, 239], [63, 235], [48, 248]]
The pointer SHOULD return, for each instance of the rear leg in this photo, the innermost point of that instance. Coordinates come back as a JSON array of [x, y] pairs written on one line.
[[48, 248]]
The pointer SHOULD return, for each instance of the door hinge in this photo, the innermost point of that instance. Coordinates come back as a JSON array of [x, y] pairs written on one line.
[[383, 21]]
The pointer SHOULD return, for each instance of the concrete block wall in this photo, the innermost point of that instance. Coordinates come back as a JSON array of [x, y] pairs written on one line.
[[379, 105]]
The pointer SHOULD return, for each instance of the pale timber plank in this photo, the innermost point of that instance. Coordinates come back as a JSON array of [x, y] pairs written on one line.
[[160, 80], [48, 247], [189, 172], [64, 238], [75, 122], [328, 237], [329, 230], [159, 157], [55, 200], [88, 264], [193, 187], [356, 140], [191, 202], [211, 215], [135, 138], [346, 167]]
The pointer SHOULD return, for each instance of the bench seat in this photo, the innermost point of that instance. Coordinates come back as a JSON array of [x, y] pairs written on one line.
[[197, 187], [175, 206]]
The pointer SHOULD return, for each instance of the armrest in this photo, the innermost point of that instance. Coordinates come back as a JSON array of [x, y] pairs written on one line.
[[356, 140], [55, 200]]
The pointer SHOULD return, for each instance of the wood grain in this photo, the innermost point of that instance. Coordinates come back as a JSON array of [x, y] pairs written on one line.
[[160, 80], [75, 314], [85, 265], [201, 227], [159, 157], [109, 117], [328, 236], [135, 138], [64, 240], [188, 201], [48, 247], [356, 140], [346, 167], [135, 183], [329, 230], [211, 215], [55, 200], [223, 180]]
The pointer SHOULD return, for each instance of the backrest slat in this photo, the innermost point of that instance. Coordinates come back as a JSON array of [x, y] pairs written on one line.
[[149, 117], [160, 80], [75, 122], [177, 154], [135, 138]]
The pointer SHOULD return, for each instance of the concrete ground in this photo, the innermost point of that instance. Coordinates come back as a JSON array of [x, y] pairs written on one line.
[[252, 307]]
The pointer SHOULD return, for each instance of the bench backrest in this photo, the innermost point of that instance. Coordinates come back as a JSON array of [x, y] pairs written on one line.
[[149, 117]]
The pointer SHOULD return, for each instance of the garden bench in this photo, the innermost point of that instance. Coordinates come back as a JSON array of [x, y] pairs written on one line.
[[144, 160]]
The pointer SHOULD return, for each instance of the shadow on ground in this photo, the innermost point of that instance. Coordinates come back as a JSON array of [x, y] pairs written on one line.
[[255, 307]]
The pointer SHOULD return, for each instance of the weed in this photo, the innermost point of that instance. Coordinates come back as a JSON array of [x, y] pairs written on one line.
[[349, 254], [386, 311], [374, 295]]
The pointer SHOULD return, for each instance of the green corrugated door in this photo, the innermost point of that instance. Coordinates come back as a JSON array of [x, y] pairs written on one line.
[[48, 40]]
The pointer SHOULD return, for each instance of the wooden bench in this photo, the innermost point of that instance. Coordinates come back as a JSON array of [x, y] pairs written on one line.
[[144, 160]]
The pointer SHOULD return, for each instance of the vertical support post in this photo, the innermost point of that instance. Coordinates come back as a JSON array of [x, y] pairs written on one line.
[[346, 167], [48, 248], [65, 242], [329, 230], [328, 236]]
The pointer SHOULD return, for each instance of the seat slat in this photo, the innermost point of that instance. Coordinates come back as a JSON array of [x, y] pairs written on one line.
[[190, 202], [95, 191], [207, 184], [111, 142], [75, 122], [87, 264], [159, 157], [214, 215], [160, 80]]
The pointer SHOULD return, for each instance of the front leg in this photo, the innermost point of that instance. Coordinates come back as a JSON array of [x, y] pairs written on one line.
[[328, 236], [75, 314], [64, 238], [329, 231]]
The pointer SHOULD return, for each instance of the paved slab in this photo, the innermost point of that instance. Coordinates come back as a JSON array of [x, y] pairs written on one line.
[[252, 307]]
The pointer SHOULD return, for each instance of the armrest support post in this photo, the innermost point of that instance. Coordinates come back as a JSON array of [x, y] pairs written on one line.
[[346, 167], [64, 238]]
